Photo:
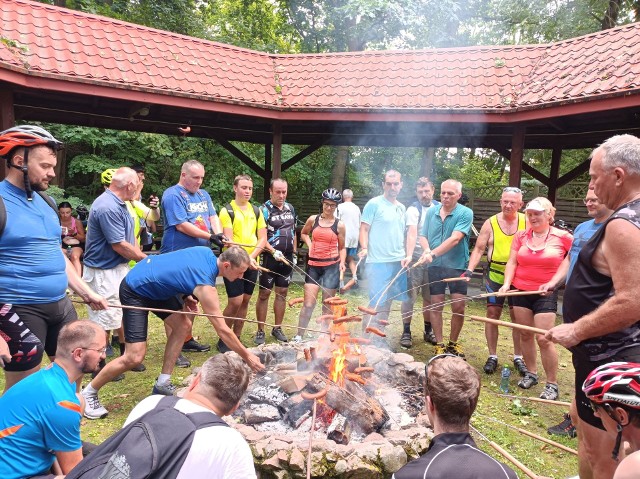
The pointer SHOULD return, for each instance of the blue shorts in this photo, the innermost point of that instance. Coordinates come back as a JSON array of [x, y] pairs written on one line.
[[379, 275], [352, 251], [493, 287], [326, 276], [437, 286]]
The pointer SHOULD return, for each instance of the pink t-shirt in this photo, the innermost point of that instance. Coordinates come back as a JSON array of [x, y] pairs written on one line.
[[536, 268]]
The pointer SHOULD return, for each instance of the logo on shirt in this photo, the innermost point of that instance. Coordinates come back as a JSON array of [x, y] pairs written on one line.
[[201, 223], [201, 207]]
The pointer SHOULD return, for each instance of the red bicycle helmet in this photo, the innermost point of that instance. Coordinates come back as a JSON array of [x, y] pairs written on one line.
[[617, 382], [26, 136]]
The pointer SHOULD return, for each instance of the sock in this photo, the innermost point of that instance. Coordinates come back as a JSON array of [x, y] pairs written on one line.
[[188, 338], [516, 356], [494, 356], [427, 327], [163, 379], [406, 328], [121, 348], [90, 390]]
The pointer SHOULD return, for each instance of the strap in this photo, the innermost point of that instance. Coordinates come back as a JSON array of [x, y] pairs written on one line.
[[324, 260], [232, 213], [3, 216]]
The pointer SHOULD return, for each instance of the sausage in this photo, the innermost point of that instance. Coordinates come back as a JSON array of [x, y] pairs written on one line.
[[332, 336], [325, 317], [307, 355], [363, 369], [355, 378], [359, 340], [382, 322], [313, 396], [335, 300], [347, 319], [371, 329], [293, 301], [366, 310], [349, 285]]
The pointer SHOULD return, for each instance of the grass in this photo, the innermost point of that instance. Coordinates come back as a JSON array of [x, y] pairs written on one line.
[[119, 398]]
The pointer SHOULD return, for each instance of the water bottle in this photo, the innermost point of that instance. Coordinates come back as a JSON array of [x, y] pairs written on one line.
[[504, 379]]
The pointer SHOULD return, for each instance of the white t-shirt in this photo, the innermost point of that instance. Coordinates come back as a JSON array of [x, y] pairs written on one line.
[[349, 214], [217, 452], [413, 217]]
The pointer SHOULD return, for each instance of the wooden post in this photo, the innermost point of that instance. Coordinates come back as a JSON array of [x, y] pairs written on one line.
[[267, 171], [7, 119], [277, 150], [517, 154], [556, 155], [426, 168]]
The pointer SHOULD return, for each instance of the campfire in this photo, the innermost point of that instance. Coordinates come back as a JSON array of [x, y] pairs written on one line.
[[368, 403]]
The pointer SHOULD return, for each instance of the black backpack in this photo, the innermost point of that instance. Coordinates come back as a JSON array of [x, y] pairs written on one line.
[[154, 446], [232, 214], [3, 209]]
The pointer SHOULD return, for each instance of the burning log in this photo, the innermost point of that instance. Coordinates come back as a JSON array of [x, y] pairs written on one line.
[[296, 410], [339, 430], [363, 411]]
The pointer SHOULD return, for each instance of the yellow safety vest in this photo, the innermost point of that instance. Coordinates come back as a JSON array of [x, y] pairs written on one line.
[[501, 248]]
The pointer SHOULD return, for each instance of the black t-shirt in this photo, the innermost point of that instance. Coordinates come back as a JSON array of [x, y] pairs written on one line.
[[588, 289], [281, 226], [454, 455]]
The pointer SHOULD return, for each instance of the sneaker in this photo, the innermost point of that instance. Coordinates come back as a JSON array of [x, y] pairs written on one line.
[[529, 380], [429, 337], [93, 409], [405, 340], [166, 389], [565, 428], [222, 347], [296, 339], [439, 348], [550, 392], [259, 338], [109, 351], [182, 362], [193, 346], [139, 368], [491, 365], [279, 335], [454, 348], [520, 366]]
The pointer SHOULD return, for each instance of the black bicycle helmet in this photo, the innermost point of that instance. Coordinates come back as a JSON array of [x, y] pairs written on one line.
[[332, 194]]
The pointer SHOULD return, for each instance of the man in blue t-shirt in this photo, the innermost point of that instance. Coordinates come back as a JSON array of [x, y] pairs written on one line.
[[34, 271], [382, 243], [189, 219], [167, 282], [40, 420], [445, 241]]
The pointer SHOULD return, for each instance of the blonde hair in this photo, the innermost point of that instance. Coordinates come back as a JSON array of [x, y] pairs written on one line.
[[548, 207]]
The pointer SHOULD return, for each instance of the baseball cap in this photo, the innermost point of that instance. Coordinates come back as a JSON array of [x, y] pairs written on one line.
[[535, 205]]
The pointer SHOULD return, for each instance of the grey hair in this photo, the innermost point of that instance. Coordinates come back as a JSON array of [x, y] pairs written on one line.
[[77, 334], [224, 377], [347, 193], [621, 151], [456, 184], [123, 176], [187, 165], [236, 256]]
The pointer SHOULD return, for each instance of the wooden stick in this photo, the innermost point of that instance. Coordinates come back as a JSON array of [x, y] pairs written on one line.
[[498, 448], [498, 322], [535, 399], [507, 293], [313, 421], [450, 280]]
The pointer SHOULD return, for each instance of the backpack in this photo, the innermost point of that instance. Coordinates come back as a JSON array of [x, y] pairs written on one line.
[[3, 209], [154, 446], [232, 214]]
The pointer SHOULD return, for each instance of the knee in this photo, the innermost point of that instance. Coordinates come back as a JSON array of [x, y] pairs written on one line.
[[543, 343], [264, 294], [133, 356], [526, 337]]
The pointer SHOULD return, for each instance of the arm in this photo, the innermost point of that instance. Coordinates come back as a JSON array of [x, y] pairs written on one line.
[[211, 305], [145, 212], [509, 271], [192, 230], [612, 258], [216, 226], [306, 230], [5, 354], [449, 243], [68, 460], [411, 239], [128, 251], [559, 278], [341, 249], [259, 247], [364, 239], [95, 301], [481, 245], [81, 236]]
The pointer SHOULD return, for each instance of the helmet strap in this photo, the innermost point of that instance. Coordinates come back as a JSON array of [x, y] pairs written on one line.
[[616, 448], [25, 172]]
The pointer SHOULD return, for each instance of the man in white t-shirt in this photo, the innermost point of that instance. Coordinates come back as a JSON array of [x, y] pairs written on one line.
[[349, 214], [216, 452]]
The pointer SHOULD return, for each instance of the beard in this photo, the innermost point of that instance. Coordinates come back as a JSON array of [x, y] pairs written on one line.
[[39, 186], [86, 367]]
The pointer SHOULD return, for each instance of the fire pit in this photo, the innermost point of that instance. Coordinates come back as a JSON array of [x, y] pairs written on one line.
[[368, 403]]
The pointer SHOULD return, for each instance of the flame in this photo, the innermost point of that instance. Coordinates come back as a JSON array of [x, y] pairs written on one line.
[[338, 365]]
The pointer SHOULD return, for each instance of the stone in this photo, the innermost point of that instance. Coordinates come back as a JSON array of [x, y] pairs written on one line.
[[297, 461], [374, 437], [292, 384], [359, 469], [261, 413], [341, 467], [273, 446], [400, 359], [393, 458], [270, 464]]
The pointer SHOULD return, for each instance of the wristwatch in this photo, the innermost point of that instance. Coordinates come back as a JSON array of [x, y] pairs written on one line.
[[433, 255]]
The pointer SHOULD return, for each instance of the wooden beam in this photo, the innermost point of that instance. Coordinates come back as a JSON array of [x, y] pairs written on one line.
[[517, 155], [7, 119], [556, 155], [303, 154], [535, 173], [267, 171], [573, 174], [502, 152], [277, 151], [241, 156]]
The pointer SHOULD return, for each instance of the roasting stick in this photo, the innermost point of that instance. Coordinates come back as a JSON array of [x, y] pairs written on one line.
[[506, 324], [313, 422], [501, 450], [535, 399], [530, 434]]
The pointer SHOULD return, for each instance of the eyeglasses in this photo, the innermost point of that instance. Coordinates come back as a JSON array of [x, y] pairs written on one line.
[[330, 206], [437, 356], [595, 201], [595, 406], [101, 350], [511, 189]]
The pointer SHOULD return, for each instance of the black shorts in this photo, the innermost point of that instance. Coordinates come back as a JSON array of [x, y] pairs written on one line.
[[437, 286], [493, 287], [33, 329], [136, 322], [326, 276], [280, 274], [244, 285], [536, 302], [583, 368]]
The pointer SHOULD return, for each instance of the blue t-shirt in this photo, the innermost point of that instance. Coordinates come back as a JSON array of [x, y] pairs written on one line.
[[179, 206], [162, 276], [582, 234], [437, 232], [109, 223], [40, 416], [32, 266], [386, 232]]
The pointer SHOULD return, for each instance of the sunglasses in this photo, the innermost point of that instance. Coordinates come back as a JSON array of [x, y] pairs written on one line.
[[437, 356], [511, 189]]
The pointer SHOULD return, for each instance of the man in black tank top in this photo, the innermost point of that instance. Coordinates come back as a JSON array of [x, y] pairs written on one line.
[[601, 319]]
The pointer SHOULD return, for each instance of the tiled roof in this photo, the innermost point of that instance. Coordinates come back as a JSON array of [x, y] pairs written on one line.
[[44, 41]]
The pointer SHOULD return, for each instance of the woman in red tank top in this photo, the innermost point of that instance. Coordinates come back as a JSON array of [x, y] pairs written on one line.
[[73, 235], [324, 236]]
